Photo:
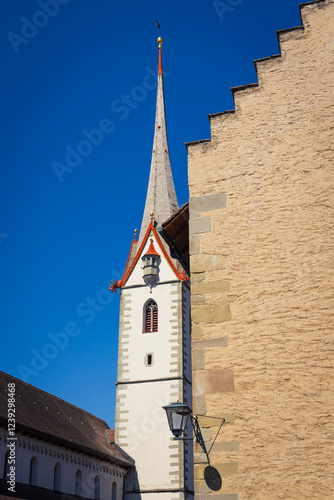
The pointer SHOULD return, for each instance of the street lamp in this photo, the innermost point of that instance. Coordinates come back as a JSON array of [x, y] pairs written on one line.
[[177, 416], [151, 266]]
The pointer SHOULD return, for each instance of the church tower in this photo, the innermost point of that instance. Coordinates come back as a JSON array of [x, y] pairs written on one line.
[[154, 355]]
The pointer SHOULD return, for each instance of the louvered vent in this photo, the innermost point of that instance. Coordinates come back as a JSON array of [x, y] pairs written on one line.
[[151, 317]]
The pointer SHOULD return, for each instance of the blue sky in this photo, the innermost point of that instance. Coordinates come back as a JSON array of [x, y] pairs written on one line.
[[67, 219]]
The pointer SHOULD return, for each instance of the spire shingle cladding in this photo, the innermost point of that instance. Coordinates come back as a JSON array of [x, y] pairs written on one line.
[[161, 196]]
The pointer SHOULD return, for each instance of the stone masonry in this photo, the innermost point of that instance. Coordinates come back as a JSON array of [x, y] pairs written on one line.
[[261, 244]]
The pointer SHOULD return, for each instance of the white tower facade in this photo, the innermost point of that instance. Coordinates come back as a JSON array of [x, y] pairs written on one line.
[[154, 357]]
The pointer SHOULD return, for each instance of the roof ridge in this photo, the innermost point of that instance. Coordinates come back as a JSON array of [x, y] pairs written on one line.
[[54, 397], [180, 211]]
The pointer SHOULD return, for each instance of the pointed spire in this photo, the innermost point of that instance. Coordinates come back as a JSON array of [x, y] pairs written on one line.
[[161, 197], [160, 40]]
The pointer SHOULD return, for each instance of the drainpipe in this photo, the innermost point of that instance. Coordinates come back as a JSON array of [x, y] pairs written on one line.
[[130, 470]]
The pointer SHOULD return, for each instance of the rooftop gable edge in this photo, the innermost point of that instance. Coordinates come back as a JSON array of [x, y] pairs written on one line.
[[135, 260], [255, 86], [128, 259]]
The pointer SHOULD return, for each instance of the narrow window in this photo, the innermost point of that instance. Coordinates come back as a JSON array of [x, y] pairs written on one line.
[[97, 488], [114, 491], [57, 478], [149, 359], [151, 317], [33, 472], [78, 483]]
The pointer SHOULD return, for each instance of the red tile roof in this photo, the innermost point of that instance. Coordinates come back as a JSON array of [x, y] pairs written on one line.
[[151, 250]]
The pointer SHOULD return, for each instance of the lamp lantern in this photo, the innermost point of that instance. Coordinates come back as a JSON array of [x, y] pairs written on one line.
[[151, 266], [177, 416]]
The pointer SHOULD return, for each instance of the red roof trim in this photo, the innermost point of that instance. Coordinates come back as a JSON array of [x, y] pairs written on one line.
[[124, 279], [151, 250], [164, 252], [150, 228], [126, 265]]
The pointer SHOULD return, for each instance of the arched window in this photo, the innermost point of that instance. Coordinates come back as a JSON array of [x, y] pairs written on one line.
[[97, 488], [33, 472], [78, 483], [6, 467], [150, 317], [114, 491], [57, 478]]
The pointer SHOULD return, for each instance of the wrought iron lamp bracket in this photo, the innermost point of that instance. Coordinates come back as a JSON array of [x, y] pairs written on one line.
[[199, 436]]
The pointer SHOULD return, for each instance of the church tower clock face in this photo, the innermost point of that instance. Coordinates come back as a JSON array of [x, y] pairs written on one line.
[[154, 354]]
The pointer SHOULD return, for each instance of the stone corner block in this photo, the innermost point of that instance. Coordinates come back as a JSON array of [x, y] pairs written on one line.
[[199, 405], [200, 225], [207, 202], [200, 263], [194, 244], [210, 287], [211, 313], [213, 381], [198, 359], [196, 332]]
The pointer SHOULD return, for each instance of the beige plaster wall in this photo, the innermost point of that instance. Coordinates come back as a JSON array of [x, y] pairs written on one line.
[[261, 208]]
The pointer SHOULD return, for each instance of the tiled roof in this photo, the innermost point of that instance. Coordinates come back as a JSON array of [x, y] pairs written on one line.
[[175, 232], [44, 416], [26, 492]]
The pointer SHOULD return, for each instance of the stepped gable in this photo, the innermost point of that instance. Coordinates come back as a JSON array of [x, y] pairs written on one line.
[[44, 416], [261, 236], [238, 92]]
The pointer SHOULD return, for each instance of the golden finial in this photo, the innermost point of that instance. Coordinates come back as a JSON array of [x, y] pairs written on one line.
[[136, 234], [160, 41], [151, 214]]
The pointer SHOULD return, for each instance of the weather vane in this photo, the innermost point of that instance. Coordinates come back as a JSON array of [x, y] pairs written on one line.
[[158, 26]]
